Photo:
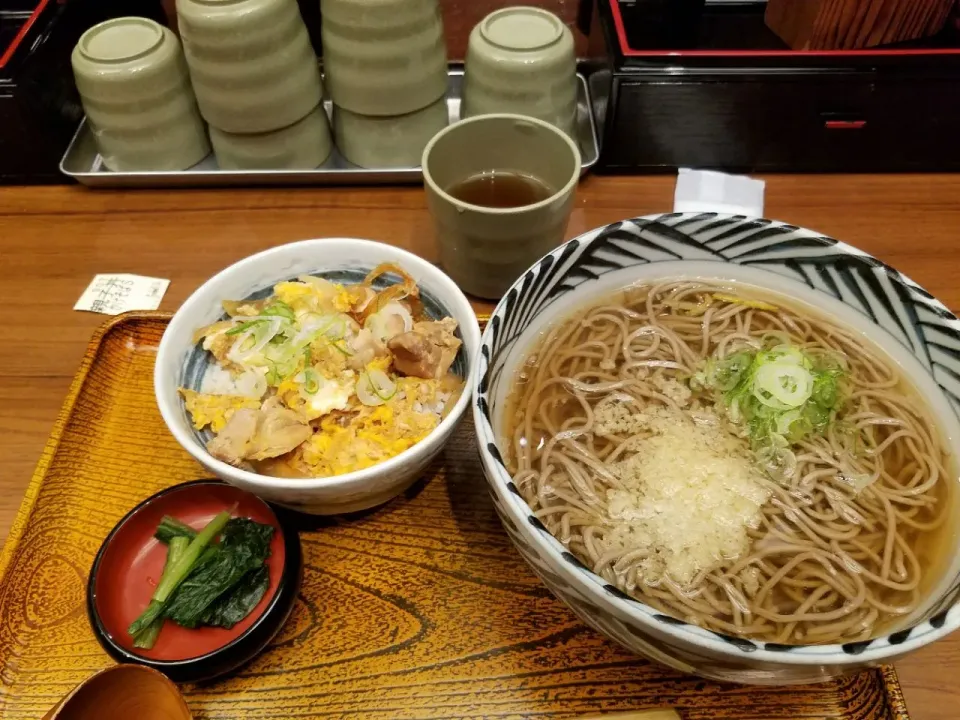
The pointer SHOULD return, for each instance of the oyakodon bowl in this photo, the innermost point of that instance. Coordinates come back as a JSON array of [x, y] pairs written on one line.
[[839, 281], [182, 363]]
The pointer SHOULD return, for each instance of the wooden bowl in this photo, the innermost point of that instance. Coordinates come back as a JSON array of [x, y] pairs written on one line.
[[122, 692], [130, 560]]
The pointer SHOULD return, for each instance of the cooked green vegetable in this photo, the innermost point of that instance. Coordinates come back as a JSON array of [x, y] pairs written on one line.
[[232, 607], [147, 637], [780, 395], [179, 572], [223, 585], [243, 548], [170, 528]]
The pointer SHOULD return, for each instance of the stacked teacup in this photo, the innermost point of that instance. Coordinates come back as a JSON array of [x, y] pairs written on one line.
[[521, 60], [257, 82], [385, 65]]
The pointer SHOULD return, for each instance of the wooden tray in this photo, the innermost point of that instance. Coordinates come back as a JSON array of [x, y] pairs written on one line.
[[419, 609]]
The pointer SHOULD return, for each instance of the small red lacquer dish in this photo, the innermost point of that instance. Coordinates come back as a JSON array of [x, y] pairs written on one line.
[[128, 567]]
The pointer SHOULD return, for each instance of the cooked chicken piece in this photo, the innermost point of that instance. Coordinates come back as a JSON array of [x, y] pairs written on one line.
[[259, 434], [365, 348], [232, 444], [427, 351]]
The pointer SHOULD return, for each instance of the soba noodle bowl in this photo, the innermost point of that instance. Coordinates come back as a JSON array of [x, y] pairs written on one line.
[[735, 463]]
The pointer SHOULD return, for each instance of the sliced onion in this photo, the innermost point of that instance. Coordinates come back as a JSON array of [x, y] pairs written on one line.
[[790, 355], [392, 319], [261, 334], [375, 388], [311, 325], [251, 383]]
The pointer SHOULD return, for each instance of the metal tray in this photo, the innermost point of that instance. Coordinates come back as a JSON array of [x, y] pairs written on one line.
[[417, 610], [82, 162]]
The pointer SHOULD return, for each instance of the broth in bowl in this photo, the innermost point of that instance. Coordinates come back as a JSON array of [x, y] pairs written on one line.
[[735, 462]]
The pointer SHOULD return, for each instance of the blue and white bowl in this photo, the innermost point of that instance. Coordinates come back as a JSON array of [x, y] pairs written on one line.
[[859, 291], [182, 363]]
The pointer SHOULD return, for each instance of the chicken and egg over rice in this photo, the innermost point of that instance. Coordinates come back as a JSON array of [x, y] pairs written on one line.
[[322, 378]]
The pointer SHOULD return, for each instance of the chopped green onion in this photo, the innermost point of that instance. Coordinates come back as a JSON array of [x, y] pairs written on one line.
[[780, 395], [244, 326], [311, 381], [781, 385], [279, 308], [274, 376], [337, 346]]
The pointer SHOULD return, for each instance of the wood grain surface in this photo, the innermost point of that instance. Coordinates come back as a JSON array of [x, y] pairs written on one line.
[[52, 241], [420, 609], [853, 24]]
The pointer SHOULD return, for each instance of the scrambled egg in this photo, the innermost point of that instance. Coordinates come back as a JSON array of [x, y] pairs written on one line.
[[214, 410], [304, 297], [369, 437], [333, 394]]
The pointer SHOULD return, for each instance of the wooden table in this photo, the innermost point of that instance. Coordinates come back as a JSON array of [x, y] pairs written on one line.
[[53, 240]]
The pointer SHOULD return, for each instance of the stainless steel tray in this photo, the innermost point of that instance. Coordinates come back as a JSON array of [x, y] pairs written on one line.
[[82, 162]]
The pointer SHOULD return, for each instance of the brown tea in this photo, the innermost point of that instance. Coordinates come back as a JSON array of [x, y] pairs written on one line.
[[501, 189]]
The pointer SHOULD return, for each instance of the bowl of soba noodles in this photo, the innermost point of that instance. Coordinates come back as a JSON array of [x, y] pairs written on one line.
[[727, 444]]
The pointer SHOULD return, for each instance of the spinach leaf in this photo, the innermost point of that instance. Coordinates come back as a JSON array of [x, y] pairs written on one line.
[[230, 608], [244, 545]]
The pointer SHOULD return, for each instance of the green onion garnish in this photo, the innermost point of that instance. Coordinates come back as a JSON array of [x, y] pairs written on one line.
[[244, 326], [279, 308]]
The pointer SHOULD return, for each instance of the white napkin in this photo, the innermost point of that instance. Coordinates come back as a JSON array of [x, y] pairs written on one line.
[[711, 191]]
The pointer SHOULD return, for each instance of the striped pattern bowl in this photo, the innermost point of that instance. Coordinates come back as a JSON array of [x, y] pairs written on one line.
[[858, 290]]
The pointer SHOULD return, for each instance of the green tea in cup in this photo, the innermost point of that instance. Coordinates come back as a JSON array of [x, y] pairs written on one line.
[[500, 189]]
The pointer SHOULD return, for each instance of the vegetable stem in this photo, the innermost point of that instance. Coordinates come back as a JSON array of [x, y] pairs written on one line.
[[147, 637], [185, 564], [170, 528], [178, 572]]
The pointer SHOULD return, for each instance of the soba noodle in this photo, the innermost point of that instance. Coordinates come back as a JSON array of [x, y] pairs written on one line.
[[844, 541]]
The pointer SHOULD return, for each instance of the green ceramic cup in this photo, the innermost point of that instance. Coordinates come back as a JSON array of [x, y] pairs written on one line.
[[380, 141], [485, 249]]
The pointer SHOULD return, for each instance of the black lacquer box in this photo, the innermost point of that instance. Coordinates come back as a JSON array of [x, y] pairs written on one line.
[[705, 84]]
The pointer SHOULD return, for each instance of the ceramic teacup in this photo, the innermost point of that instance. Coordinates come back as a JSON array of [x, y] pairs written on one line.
[[383, 57], [251, 62], [371, 141], [302, 146], [133, 84], [522, 60], [484, 249]]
